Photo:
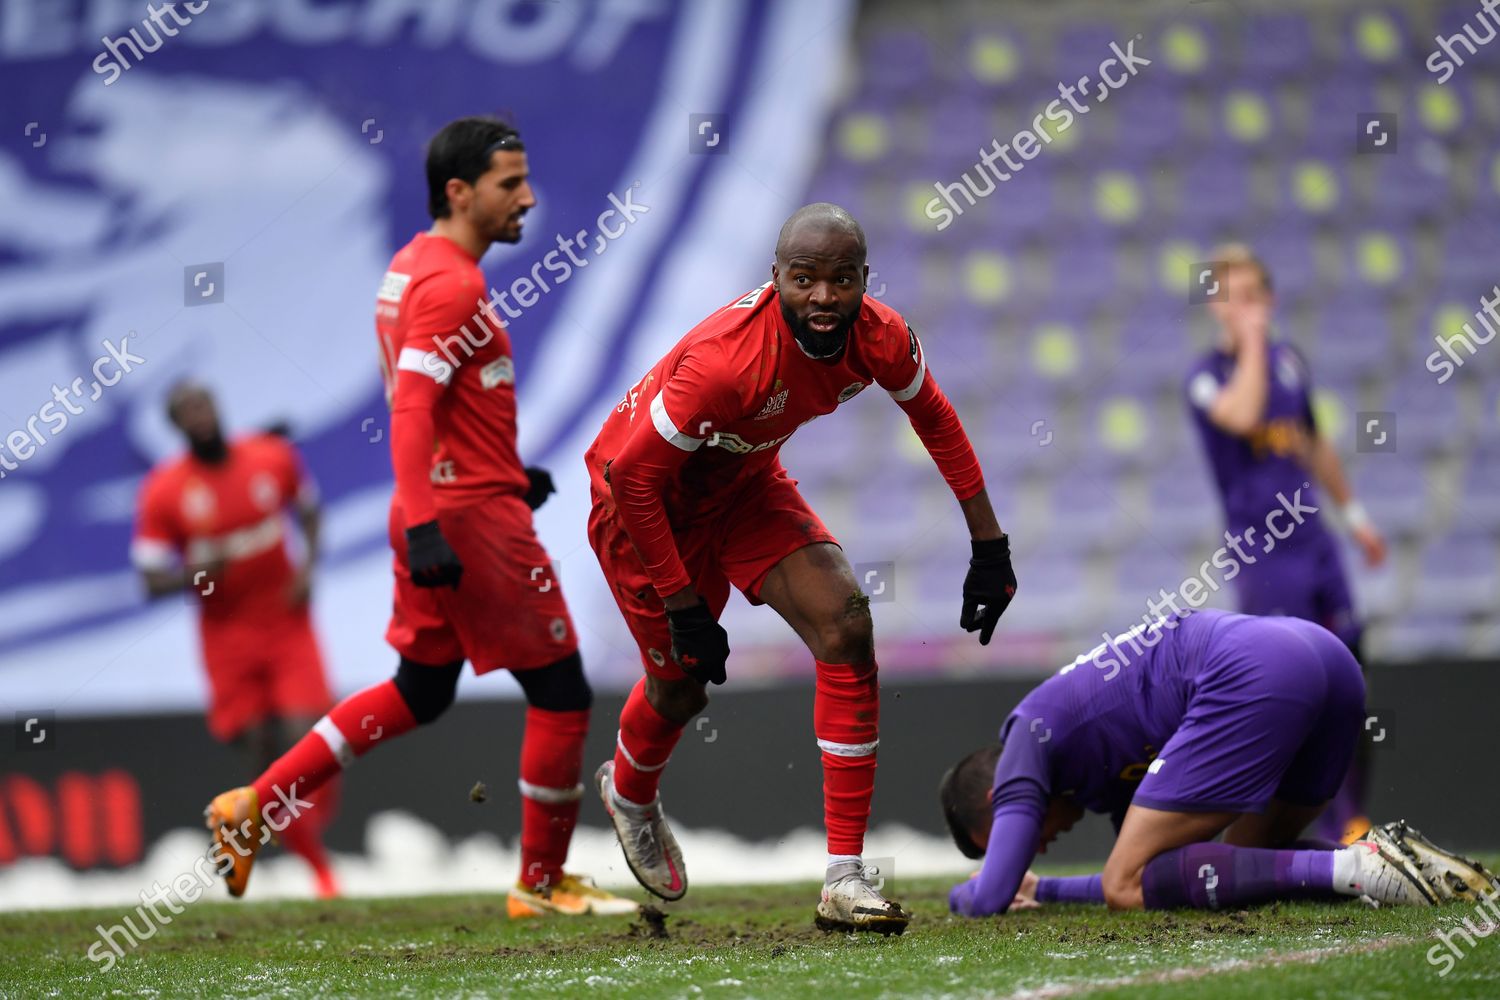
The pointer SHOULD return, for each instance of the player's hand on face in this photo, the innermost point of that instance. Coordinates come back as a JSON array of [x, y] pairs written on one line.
[[540, 487], [988, 588], [700, 646], [429, 558]]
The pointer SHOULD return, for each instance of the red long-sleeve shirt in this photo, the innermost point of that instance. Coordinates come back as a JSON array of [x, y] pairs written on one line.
[[449, 380], [712, 415]]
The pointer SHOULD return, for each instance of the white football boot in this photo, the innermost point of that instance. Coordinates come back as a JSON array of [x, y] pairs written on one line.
[[1384, 876], [852, 903], [1453, 876], [650, 849]]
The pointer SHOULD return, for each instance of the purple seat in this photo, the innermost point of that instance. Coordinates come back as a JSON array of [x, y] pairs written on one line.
[[1157, 117], [1087, 510], [1085, 271], [1215, 191], [1051, 595], [1429, 417], [1460, 575], [1352, 340], [1403, 188], [1287, 249], [1333, 116], [896, 63], [1418, 637], [1142, 571], [1394, 490], [1276, 46], [1470, 251], [1479, 501], [1184, 499]]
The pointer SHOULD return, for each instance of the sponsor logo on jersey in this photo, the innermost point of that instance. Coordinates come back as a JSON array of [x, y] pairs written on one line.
[[1288, 371], [198, 502], [501, 371], [443, 472], [263, 491], [392, 287], [775, 406], [656, 656], [850, 391], [748, 302], [559, 629]]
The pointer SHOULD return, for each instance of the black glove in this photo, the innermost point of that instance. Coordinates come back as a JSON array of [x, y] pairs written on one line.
[[541, 487], [428, 557], [700, 646], [988, 588]]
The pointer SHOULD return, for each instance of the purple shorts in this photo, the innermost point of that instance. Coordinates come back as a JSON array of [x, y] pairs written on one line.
[[1307, 582], [1276, 714]]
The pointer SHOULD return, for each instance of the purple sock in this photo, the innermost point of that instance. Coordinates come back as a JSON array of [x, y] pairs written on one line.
[[1218, 876], [1070, 889]]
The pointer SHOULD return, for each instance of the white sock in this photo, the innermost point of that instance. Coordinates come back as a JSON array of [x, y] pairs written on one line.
[[634, 809], [1346, 871], [842, 861]]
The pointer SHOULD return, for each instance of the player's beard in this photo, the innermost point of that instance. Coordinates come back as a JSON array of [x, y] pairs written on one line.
[[818, 343], [211, 450]]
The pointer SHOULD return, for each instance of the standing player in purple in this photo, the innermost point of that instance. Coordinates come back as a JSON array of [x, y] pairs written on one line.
[[1250, 398], [1201, 724]]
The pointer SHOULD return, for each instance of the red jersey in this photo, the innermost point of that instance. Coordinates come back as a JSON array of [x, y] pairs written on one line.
[[449, 380], [193, 512], [712, 415]]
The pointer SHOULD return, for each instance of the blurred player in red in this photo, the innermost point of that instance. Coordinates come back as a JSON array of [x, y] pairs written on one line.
[[214, 521], [689, 497], [472, 580]]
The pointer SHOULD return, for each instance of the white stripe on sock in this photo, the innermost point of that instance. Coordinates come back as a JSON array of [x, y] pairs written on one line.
[[340, 748], [848, 749], [541, 793], [643, 768]]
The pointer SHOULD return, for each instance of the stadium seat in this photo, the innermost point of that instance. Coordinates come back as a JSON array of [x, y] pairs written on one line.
[[896, 62], [1395, 493], [1314, 186], [1378, 36], [1412, 638], [1405, 187], [1246, 115], [1460, 575], [1351, 338], [1214, 191], [1276, 46], [1088, 510]]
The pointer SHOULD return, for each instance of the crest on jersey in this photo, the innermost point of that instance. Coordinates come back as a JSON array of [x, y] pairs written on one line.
[[501, 371], [1288, 371], [850, 391]]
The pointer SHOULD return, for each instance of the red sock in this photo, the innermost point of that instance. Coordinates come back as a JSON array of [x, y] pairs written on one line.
[[551, 759], [846, 720], [645, 742], [349, 729], [304, 835]]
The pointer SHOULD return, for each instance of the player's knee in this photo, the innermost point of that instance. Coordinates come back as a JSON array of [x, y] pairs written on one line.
[[427, 690], [848, 637], [676, 701], [1122, 889], [557, 687]]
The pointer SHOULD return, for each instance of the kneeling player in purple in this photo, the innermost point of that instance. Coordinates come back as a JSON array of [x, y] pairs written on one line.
[[1201, 724]]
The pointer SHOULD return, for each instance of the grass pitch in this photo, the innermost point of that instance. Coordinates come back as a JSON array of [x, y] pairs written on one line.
[[747, 942]]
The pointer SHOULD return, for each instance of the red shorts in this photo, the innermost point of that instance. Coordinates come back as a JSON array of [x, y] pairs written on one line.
[[271, 669], [767, 522], [508, 611]]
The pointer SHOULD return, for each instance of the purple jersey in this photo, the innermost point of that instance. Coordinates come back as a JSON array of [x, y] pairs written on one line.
[[1251, 471], [1208, 711]]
